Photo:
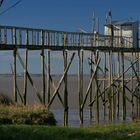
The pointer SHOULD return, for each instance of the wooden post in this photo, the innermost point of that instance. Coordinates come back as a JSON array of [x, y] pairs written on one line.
[[15, 67], [65, 83], [138, 87], [54, 87], [43, 70], [111, 72], [80, 85], [25, 70], [49, 71], [110, 89], [18, 91], [118, 88], [82, 59], [91, 66], [65, 91], [132, 89], [29, 77], [104, 84], [97, 90], [123, 89], [91, 72], [113, 96], [90, 84], [137, 90], [61, 80]]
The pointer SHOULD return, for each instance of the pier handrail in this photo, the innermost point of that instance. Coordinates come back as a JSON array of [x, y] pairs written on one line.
[[11, 34]]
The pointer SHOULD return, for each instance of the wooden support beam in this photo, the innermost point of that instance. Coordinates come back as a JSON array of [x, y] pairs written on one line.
[[15, 67], [123, 88], [97, 87], [65, 82], [138, 67], [135, 72], [54, 87], [116, 92], [29, 77], [110, 92], [48, 76], [25, 77], [100, 95], [90, 83], [91, 92], [61, 80], [80, 85], [114, 95], [104, 83], [43, 69], [118, 95], [25, 70], [65, 91], [114, 81], [18, 91], [137, 90]]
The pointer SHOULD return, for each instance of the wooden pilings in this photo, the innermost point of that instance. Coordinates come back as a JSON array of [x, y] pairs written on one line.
[[97, 88], [132, 89], [65, 91], [115, 93], [91, 89], [48, 76], [43, 70], [104, 83], [118, 87], [114, 85], [15, 67], [25, 70], [110, 92], [80, 85], [123, 89], [15, 75], [65, 57]]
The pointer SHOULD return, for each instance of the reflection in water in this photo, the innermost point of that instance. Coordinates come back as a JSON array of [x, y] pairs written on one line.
[[74, 118], [6, 86]]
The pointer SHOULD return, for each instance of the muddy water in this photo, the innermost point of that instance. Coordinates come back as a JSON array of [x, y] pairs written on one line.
[[6, 86]]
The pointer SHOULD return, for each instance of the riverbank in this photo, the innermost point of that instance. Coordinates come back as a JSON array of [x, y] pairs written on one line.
[[102, 132]]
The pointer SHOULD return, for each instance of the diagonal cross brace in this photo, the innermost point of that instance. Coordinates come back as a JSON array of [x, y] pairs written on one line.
[[16, 85], [115, 81], [135, 73], [29, 77], [55, 87], [61, 80], [90, 83]]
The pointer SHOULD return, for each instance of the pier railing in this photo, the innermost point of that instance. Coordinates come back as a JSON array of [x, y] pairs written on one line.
[[10, 35]]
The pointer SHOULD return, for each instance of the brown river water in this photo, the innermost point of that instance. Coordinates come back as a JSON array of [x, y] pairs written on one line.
[[6, 86]]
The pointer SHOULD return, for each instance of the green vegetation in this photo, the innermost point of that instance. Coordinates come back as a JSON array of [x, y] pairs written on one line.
[[14, 119], [17, 114], [5, 99], [103, 132], [11, 113]]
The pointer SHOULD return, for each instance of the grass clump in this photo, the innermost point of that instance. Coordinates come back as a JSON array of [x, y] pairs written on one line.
[[15, 114], [5, 99], [10, 113]]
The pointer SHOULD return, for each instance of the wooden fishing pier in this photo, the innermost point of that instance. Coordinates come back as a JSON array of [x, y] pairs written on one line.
[[115, 84]]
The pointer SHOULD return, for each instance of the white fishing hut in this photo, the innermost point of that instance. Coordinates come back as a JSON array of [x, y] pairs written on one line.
[[123, 33]]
